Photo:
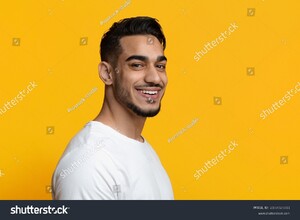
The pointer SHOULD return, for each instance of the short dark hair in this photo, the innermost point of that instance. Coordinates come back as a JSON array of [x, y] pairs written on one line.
[[110, 47]]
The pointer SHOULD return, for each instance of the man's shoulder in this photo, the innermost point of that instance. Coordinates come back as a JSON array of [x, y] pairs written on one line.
[[86, 149], [80, 174], [87, 137]]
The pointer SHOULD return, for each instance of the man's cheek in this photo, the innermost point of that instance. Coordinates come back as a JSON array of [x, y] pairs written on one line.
[[166, 81]]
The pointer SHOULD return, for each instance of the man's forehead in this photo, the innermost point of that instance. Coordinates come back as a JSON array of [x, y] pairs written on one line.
[[150, 40], [145, 45]]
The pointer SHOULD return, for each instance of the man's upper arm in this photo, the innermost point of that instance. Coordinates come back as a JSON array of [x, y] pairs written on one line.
[[89, 179]]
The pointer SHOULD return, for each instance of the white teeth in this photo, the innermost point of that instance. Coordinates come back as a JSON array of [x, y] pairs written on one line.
[[149, 92]]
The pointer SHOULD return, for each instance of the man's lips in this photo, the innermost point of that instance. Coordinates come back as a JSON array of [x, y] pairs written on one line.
[[149, 92]]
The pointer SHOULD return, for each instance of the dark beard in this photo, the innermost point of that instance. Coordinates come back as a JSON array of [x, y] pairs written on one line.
[[122, 96], [140, 112]]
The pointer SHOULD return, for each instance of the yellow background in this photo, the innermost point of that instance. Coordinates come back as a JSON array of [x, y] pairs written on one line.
[[50, 54]]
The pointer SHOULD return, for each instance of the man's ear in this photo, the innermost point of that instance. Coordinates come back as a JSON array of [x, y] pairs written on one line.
[[105, 72]]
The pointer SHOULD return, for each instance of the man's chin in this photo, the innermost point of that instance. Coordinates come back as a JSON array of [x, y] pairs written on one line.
[[143, 112]]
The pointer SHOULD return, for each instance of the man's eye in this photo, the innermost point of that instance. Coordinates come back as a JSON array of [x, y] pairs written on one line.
[[136, 65], [161, 66]]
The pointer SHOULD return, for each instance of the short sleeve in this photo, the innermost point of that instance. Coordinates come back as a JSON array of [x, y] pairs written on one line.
[[89, 177]]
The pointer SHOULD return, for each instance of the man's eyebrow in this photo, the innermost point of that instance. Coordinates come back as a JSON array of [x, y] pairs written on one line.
[[137, 57], [144, 58], [161, 58]]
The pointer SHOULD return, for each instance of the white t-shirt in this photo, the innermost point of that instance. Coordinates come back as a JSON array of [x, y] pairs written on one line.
[[100, 163]]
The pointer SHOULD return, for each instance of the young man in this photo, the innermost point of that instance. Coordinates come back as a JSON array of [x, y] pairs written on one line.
[[108, 158]]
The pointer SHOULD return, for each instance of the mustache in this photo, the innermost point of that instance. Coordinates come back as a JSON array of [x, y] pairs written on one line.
[[151, 85]]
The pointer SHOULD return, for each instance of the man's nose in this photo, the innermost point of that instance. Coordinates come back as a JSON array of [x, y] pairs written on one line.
[[152, 75]]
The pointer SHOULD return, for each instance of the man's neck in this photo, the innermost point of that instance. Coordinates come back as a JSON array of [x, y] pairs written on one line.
[[122, 120]]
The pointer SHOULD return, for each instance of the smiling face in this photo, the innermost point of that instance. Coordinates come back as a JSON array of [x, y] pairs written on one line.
[[140, 75]]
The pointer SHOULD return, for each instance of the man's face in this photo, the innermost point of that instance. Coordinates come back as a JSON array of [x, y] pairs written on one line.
[[140, 76]]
